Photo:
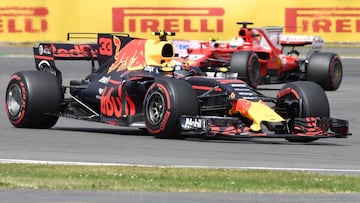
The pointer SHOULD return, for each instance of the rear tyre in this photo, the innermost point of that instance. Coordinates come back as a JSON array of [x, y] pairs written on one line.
[[246, 64], [165, 101], [33, 99], [302, 99], [325, 69]]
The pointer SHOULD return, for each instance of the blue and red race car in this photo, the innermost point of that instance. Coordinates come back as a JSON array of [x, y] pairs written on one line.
[[138, 84]]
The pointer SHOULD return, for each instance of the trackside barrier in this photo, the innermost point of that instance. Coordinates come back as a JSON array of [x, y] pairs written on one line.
[[48, 20]]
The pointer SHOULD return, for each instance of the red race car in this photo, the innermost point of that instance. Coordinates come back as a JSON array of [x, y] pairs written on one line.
[[257, 56]]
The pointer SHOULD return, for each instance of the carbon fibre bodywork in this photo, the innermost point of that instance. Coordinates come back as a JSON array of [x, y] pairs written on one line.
[[132, 70]]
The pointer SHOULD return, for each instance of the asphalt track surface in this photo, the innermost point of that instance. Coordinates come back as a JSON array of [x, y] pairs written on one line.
[[79, 142]]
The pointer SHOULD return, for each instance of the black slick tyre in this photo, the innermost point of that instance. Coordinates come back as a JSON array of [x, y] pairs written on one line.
[[165, 101], [246, 64], [302, 99], [33, 99], [325, 69]]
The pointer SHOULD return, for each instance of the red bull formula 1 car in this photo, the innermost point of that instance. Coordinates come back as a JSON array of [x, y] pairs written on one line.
[[266, 56], [138, 84]]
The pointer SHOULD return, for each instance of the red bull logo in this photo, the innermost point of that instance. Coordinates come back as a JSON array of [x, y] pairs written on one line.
[[23, 19], [129, 57], [171, 19], [322, 20]]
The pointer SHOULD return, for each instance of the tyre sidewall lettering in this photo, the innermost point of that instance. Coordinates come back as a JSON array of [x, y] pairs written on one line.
[[333, 61], [17, 119], [249, 70], [331, 69], [164, 121], [160, 88], [164, 90], [249, 63]]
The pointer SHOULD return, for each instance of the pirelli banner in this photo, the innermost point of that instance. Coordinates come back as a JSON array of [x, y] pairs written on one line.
[[50, 20]]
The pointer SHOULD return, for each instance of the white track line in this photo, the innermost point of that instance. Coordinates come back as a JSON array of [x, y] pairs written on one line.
[[16, 56], [23, 161]]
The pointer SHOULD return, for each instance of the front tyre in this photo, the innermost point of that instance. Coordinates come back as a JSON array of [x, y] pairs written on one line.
[[325, 69], [302, 99], [166, 100], [31, 96], [246, 64]]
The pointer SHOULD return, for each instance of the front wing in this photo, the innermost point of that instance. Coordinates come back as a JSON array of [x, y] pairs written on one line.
[[312, 127]]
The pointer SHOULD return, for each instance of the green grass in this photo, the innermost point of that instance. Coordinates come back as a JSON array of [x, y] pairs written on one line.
[[63, 177]]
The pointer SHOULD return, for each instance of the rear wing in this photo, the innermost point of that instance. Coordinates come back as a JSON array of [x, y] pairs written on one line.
[[301, 40], [66, 51], [278, 38], [45, 54]]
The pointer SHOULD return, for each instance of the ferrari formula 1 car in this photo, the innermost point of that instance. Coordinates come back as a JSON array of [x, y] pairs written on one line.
[[137, 84], [258, 56]]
